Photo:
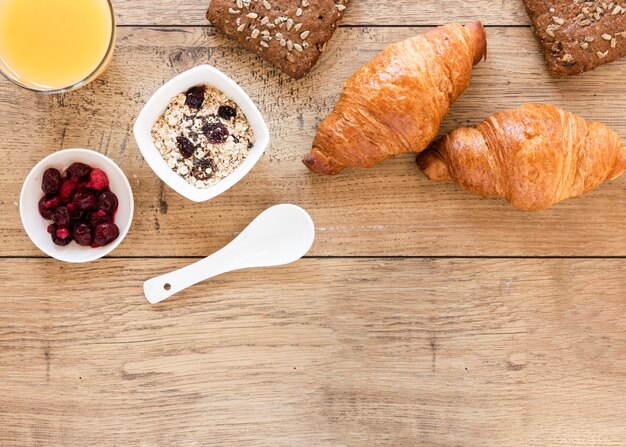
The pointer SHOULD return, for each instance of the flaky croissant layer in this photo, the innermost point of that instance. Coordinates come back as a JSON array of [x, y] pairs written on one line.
[[396, 102], [534, 156]]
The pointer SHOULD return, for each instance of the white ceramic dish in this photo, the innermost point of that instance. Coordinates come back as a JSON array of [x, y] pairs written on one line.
[[154, 108], [279, 235], [37, 227]]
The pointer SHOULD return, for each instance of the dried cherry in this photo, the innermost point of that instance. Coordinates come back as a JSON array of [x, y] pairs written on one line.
[[226, 112], [105, 233], [107, 202], [185, 147], [215, 132], [195, 97], [79, 170], [51, 181], [82, 235]]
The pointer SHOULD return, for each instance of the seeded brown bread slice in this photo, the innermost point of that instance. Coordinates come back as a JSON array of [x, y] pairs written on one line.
[[291, 34], [578, 35]]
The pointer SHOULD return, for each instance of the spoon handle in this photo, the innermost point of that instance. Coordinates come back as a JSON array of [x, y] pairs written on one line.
[[162, 287]]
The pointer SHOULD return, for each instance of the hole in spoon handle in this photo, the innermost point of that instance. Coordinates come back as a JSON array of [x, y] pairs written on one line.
[[159, 289]]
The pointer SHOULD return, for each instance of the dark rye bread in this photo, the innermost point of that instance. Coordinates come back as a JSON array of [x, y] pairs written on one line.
[[291, 34], [578, 35]]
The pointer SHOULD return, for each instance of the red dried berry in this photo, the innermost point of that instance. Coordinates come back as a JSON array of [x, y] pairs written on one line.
[[61, 216], [105, 233], [195, 97], [107, 202], [47, 205], [98, 180], [84, 200], [63, 232], [78, 170], [81, 233], [60, 235], [76, 214], [66, 190], [226, 112], [51, 181], [185, 147], [52, 202], [97, 218], [215, 132]]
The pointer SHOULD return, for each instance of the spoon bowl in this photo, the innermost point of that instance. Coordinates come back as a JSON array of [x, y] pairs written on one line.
[[280, 235]]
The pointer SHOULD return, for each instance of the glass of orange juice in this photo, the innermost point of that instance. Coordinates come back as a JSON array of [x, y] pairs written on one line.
[[55, 45]]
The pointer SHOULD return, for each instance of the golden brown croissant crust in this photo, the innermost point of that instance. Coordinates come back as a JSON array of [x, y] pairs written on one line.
[[534, 156], [396, 102]]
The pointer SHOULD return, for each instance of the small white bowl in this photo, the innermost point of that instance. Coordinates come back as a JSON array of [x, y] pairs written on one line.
[[157, 104], [37, 227]]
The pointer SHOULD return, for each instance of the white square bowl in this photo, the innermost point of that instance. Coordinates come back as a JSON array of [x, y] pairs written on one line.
[[157, 104]]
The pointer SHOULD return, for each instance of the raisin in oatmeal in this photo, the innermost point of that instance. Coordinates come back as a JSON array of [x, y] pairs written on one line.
[[203, 136]]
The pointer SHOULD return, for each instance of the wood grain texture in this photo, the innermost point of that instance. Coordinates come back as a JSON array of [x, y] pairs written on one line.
[[321, 353], [390, 210], [361, 12], [325, 352]]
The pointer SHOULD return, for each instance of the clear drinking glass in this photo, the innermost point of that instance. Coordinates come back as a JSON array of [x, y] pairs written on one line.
[[12, 75]]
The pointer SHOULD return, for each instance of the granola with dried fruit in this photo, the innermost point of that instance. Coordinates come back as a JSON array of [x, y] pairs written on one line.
[[203, 136]]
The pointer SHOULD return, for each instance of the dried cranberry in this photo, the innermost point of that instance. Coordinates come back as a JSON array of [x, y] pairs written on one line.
[[66, 190], [61, 216], [60, 235], [76, 214], [195, 97], [81, 233], [79, 170], [51, 181], [105, 233], [62, 231], [215, 132], [98, 180], [226, 112], [107, 202], [45, 206], [84, 200], [98, 217], [185, 147], [52, 203]]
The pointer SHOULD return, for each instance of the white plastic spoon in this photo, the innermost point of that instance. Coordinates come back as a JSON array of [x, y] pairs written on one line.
[[279, 235]]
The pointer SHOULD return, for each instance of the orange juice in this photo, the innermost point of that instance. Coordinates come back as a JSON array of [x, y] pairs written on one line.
[[55, 44]]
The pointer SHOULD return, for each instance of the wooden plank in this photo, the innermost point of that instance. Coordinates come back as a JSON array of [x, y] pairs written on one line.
[[323, 352], [361, 12], [390, 210]]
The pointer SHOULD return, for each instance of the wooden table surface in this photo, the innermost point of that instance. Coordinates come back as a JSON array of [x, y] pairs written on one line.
[[423, 316]]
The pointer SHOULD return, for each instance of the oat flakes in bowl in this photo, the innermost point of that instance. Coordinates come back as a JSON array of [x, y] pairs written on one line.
[[203, 136], [209, 132]]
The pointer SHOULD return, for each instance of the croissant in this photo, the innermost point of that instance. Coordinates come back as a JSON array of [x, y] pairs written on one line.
[[396, 102], [534, 157]]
